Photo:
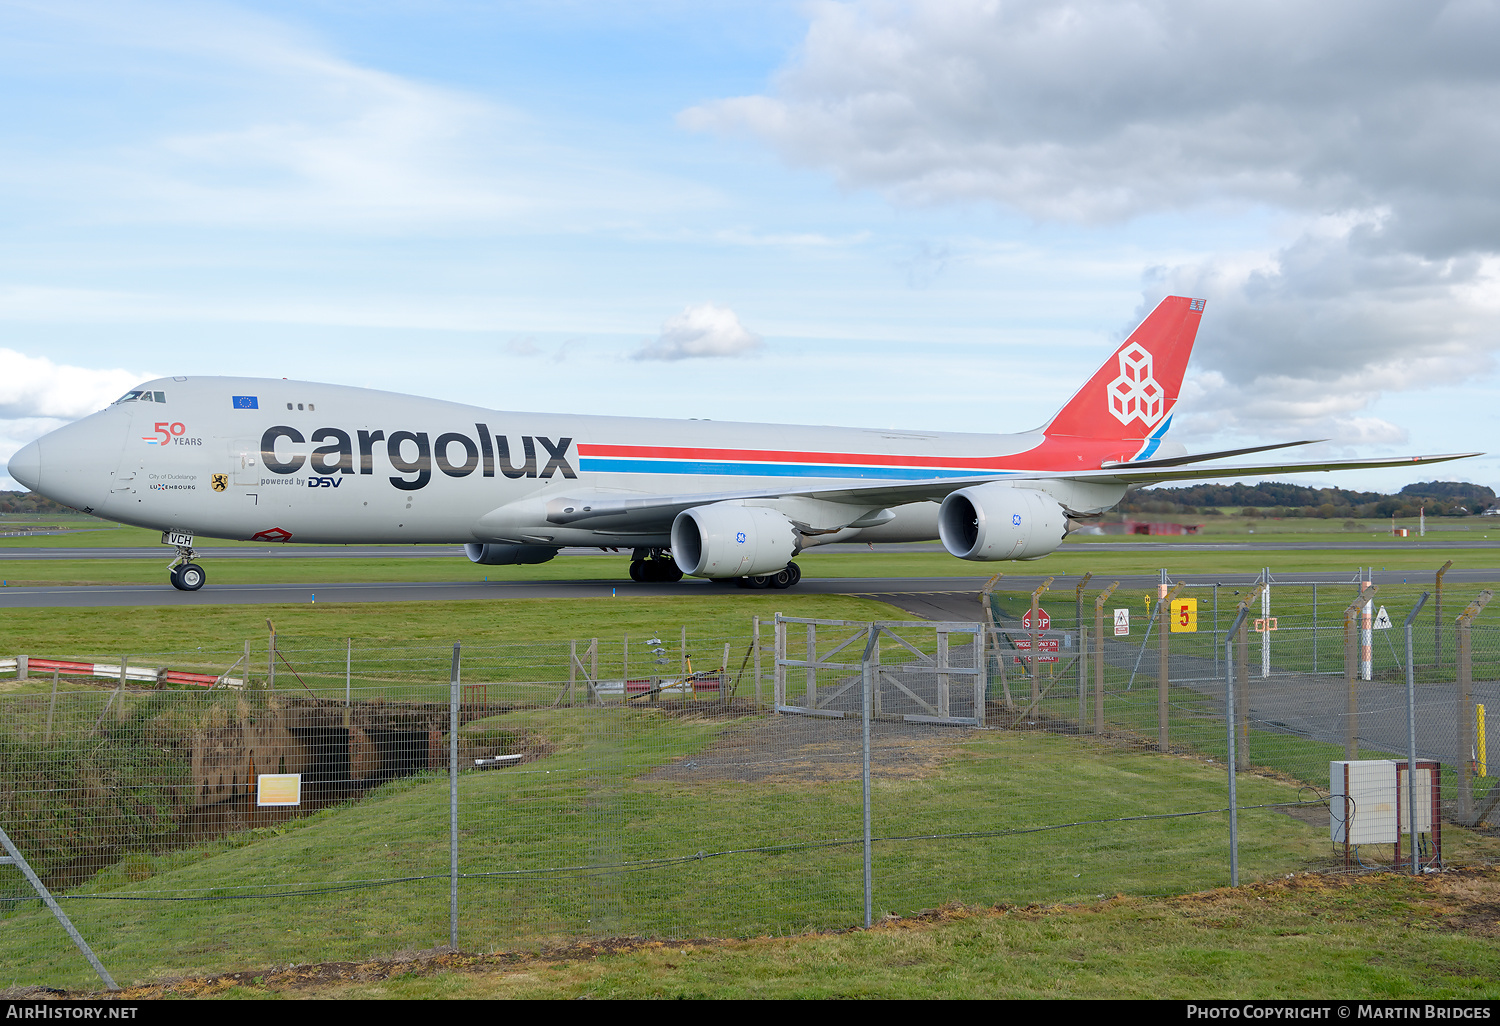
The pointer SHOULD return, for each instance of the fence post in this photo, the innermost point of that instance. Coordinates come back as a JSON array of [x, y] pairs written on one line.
[[864, 720], [13, 857], [1036, 643], [1437, 616], [981, 679], [1465, 676], [943, 677], [755, 640], [1232, 763], [1083, 650], [1411, 735], [1265, 612], [1099, 601], [453, 803], [778, 675], [572, 667], [1164, 613], [271, 657], [1241, 707], [51, 708], [812, 666], [23, 668], [1351, 680]]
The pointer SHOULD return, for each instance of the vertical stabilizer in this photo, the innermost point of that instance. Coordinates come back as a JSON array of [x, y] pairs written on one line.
[[1132, 395]]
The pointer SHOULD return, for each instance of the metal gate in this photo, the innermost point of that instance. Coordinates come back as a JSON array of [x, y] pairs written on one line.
[[924, 672]]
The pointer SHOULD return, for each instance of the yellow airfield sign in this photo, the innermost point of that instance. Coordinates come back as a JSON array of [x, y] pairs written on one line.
[[1185, 616]]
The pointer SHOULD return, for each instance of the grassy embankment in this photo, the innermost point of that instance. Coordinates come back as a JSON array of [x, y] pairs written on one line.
[[595, 799], [1310, 937]]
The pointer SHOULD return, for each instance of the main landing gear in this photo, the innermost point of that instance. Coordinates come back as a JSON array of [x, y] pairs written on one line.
[[654, 565], [184, 573], [657, 565], [783, 578]]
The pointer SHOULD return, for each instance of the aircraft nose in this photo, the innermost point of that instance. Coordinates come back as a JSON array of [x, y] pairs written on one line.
[[26, 466]]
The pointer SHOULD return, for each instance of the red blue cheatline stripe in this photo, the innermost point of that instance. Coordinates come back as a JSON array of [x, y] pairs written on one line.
[[642, 459], [1052, 454]]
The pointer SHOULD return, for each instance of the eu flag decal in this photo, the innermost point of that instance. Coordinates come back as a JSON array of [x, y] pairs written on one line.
[[245, 402]]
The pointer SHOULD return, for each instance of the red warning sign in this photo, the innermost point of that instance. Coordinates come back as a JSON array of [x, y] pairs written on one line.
[[1047, 645], [1044, 622]]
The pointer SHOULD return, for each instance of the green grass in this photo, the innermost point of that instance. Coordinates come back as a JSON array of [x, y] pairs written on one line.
[[1375, 938], [1072, 561], [63, 632], [591, 803]]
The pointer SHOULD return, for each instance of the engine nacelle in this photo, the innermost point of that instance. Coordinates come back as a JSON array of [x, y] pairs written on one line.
[[728, 540], [492, 554], [996, 521]]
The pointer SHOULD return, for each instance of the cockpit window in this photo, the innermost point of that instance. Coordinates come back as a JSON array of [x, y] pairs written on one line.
[[140, 395]]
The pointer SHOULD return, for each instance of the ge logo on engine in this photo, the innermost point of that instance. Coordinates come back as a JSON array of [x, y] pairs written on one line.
[[739, 536], [1015, 518]]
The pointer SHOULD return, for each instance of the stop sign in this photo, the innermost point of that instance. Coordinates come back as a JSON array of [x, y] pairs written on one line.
[[1044, 622]]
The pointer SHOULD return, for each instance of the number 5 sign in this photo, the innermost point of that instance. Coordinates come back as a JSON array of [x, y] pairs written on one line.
[[1184, 616]]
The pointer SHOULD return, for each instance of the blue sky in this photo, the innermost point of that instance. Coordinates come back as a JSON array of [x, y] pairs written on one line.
[[926, 216]]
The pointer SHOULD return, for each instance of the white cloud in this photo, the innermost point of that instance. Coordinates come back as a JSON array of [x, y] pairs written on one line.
[[38, 396], [1374, 125], [273, 129], [34, 386], [703, 330]]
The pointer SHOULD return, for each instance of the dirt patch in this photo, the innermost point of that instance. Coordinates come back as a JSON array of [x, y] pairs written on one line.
[[809, 749]]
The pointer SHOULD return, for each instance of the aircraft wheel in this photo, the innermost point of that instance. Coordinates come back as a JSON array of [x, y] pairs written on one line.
[[637, 570], [188, 577], [670, 571], [781, 579], [760, 581], [172, 576], [796, 572]]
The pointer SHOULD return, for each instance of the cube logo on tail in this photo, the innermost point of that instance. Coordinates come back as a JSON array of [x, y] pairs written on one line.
[[1136, 394], [1133, 392]]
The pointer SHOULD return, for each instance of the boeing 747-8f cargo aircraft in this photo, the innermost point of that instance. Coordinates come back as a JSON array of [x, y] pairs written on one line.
[[290, 461]]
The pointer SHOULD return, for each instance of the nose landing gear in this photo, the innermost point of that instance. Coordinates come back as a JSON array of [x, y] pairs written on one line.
[[184, 574], [188, 577]]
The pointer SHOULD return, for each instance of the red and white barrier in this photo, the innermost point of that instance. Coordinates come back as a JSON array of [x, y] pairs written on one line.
[[23, 666]]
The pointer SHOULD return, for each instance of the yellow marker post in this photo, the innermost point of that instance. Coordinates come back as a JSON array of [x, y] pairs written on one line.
[[1481, 767], [1185, 616]]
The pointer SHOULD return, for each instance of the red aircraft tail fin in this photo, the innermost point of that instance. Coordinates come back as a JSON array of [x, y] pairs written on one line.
[[1131, 397]]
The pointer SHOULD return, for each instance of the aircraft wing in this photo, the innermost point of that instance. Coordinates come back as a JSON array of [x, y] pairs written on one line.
[[640, 511], [1125, 473]]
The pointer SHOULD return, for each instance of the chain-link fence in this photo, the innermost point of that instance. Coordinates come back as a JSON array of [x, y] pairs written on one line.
[[304, 801], [1322, 675]]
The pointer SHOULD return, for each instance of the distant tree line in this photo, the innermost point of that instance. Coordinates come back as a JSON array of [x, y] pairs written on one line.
[[1277, 499], [30, 502]]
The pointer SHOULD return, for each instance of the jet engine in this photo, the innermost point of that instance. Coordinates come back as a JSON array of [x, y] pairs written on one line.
[[729, 540], [996, 521], [508, 555]]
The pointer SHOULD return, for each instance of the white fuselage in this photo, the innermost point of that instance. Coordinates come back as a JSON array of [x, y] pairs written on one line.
[[280, 460]]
